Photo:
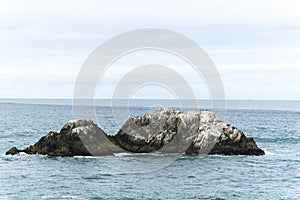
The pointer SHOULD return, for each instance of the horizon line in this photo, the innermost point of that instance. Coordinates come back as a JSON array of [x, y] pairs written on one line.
[[55, 98]]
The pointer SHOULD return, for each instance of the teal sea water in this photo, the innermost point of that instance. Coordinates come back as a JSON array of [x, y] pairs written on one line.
[[275, 126]]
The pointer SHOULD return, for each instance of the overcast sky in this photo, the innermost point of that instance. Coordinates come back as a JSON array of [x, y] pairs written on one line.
[[255, 45]]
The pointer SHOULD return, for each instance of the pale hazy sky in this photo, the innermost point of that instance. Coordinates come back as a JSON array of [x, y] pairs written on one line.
[[255, 45]]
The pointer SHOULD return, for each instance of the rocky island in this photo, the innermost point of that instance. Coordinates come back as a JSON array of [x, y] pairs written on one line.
[[165, 130]]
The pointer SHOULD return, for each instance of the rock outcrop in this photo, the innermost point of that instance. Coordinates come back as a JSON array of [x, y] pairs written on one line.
[[80, 137], [190, 132], [165, 130]]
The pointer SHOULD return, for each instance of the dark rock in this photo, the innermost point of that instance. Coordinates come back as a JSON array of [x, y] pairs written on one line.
[[12, 151], [245, 146], [76, 138]]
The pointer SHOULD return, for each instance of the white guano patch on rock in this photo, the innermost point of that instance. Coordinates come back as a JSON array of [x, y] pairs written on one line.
[[182, 128]]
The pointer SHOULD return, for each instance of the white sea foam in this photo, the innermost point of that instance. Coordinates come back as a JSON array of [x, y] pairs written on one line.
[[69, 197], [122, 154], [87, 157], [268, 153]]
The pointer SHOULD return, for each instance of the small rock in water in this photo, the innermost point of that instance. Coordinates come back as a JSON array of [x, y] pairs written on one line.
[[12, 151]]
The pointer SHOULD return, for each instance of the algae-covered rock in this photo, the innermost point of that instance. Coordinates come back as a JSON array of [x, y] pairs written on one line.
[[76, 138]]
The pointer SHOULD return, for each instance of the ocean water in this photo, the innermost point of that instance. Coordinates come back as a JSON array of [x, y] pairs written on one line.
[[275, 126]]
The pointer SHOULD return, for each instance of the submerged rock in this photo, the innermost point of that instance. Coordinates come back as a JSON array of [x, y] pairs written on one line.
[[165, 130]]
